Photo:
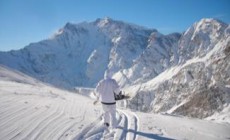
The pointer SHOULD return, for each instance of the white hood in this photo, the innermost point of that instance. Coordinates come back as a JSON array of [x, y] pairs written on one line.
[[108, 74]]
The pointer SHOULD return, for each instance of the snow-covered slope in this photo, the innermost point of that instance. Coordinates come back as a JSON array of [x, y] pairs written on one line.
[[77, 55], [160, 54], [202, 37], [186, 74], [197, 88], [33, 110]]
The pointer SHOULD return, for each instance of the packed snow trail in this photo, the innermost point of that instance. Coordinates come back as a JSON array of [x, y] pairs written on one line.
[[31, 110], [126, 129]]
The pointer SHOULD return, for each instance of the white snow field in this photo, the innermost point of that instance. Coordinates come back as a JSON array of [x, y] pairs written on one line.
[[31, 110]]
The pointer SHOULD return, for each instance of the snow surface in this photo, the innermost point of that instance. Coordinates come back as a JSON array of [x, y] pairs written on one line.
[[33, 110]]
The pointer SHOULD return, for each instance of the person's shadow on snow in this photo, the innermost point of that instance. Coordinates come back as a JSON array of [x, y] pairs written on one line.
[[147, 135]]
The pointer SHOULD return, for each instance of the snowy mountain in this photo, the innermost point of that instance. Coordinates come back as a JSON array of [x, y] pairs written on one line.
[[79, 54], [185, 74], [198, 84], [202, 37]]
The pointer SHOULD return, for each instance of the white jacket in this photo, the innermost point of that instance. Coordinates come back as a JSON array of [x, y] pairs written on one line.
[[106, 89]]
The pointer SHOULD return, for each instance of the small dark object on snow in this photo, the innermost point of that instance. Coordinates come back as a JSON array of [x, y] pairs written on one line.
[[120, 96], [106, 124]]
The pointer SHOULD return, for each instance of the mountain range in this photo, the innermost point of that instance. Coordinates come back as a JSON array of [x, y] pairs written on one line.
[[180, 73]]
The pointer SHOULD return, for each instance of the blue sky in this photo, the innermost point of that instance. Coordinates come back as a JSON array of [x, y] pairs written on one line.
[[26, 21]]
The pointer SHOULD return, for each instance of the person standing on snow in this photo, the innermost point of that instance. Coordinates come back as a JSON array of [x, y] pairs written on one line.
[[106, 90]]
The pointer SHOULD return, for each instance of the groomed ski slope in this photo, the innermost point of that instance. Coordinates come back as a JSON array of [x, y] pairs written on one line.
[[31, 110]]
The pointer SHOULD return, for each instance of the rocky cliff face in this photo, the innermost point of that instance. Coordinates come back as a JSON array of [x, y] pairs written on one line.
[[200, 87]]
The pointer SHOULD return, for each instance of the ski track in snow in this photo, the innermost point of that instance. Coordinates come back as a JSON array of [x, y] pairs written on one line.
[[128, 125], [131, 125]]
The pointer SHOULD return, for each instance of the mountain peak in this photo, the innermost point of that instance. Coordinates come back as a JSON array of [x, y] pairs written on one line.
[[207, 20], [210, 24], [103, 21], [107, 19], [69, 25], [210, 21]]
